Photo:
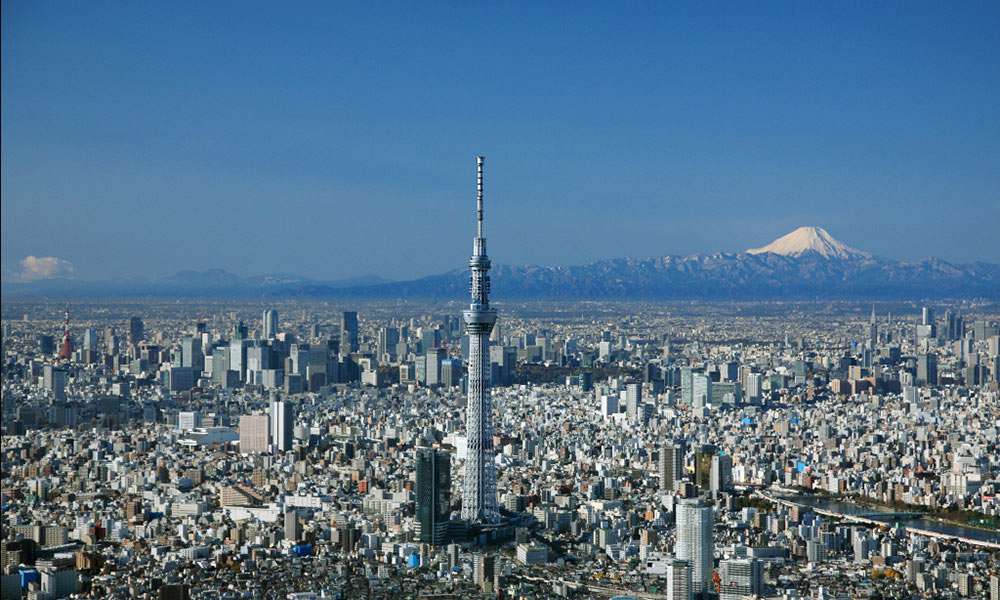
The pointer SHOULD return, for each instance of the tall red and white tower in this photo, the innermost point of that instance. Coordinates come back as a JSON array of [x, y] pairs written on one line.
[[66, 347]]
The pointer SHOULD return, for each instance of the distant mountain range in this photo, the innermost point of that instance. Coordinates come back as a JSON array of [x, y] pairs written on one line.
[[209, 283], [806, 263]]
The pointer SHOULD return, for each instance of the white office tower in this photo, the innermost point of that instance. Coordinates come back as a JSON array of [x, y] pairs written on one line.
[[479, 496], [679, 580], [270, 323], [633, 401], [694, 541], [282, 425]]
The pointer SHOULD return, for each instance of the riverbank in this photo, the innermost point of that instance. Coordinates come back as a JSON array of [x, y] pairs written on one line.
[[850, 511], [960, 518]]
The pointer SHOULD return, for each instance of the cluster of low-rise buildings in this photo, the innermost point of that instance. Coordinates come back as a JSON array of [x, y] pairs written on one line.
[[662, 451]]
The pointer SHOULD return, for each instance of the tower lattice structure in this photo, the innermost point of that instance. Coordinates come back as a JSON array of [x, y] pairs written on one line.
[[479, 495]]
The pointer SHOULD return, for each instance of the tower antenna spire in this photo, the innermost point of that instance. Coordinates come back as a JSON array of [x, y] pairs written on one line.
[[480, 161]]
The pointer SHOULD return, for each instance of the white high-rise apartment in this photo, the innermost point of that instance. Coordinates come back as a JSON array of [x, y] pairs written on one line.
[[694, 540]]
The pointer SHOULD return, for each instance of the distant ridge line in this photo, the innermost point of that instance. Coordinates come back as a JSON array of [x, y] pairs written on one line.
[[807, 263]]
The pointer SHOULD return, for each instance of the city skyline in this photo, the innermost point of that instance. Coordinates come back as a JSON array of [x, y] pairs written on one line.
[[742, 341], [730, 452], [865, 123], [718, 459]]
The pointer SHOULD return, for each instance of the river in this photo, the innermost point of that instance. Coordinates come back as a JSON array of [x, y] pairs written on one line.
[[885, 515]]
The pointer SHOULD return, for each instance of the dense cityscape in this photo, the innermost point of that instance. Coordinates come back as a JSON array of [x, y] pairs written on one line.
[[295, 449], [735, 334], [204, 449]]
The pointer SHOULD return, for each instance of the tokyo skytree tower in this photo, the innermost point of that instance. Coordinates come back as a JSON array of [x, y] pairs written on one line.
[[479, 497]]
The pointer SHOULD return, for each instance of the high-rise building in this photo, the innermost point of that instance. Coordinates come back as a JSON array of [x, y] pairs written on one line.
[[954, 327], [269, 323], [687, 386], [671, 466], [282, 425], [701, 390], [679, 580], [479, 497], [633, 401], [451, 372], [816, 551], [729, 371], [258, 358], [388, 339], [503, 362], [293, 529], [927, 369], [694, 541], [703, 466], [433, 495], [255, 432], [46, 344], [191, 354], [754, 387], [238, 357], [430, 337], [54, 381], [136, 330], [180, 379], [965, 584], [349, 332], [740, 578], [721, 479], [432, 366], [927, 327], [984, 330], [110, 340], [240, 331], [483, 570], [873, 329], [220, 366], [90, 339]]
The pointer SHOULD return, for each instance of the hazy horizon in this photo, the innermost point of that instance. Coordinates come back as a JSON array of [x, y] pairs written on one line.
[[337, 142], [33, 262]]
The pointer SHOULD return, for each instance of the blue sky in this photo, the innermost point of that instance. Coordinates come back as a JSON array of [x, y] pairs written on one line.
[[333, 139]]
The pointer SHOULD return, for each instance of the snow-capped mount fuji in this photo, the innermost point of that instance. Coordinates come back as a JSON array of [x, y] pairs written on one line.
[[810, 239]]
